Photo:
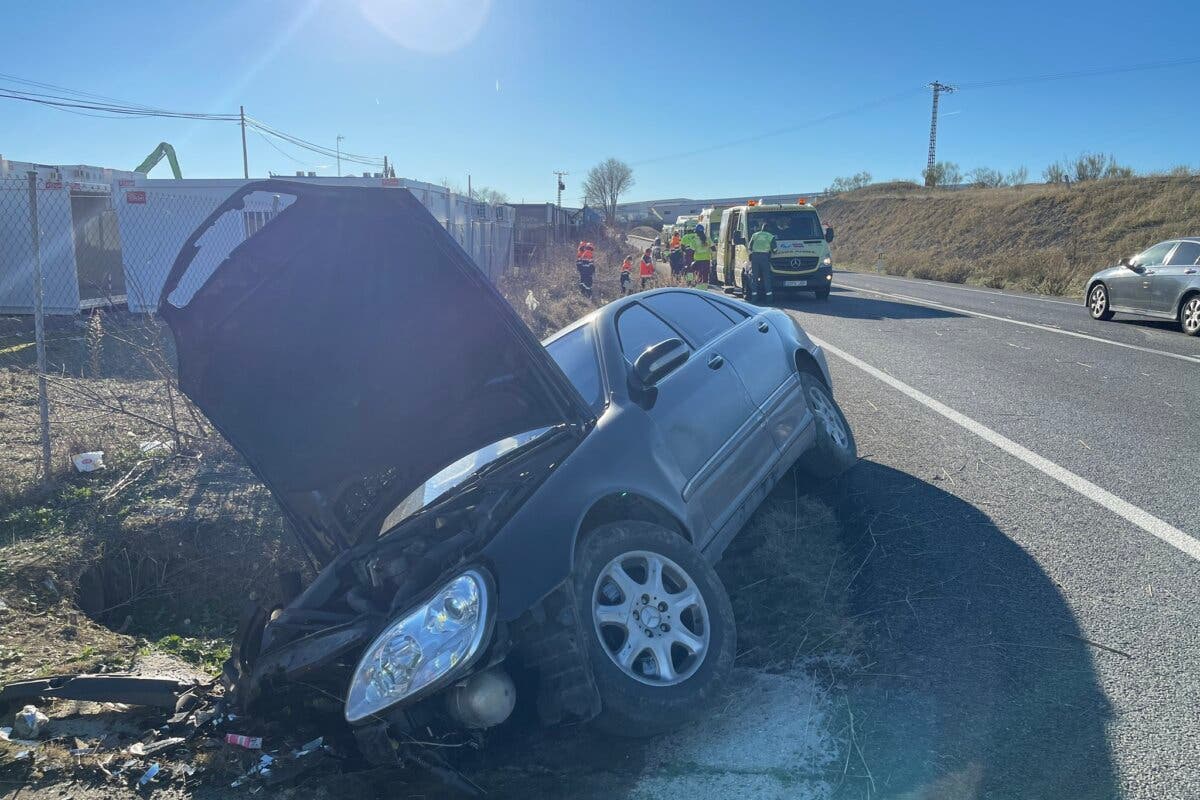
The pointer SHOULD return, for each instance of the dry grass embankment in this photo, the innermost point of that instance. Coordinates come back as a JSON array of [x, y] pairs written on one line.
[[1045, 238]]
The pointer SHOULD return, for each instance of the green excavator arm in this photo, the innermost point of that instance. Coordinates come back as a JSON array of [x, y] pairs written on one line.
[[163, 149]]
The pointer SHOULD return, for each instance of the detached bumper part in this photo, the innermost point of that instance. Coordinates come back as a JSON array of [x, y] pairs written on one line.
[[133, 690]]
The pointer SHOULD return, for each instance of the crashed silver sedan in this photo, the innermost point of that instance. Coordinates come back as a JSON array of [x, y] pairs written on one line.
[[476, 504]]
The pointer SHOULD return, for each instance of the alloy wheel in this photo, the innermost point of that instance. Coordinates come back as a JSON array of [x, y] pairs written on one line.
[[824, 410], [1190, 316], [1098, 301], [651, 618]]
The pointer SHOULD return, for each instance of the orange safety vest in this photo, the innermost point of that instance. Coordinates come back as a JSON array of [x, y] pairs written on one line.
[[589, 252], [675, 241], [647, 268], [627, 264]]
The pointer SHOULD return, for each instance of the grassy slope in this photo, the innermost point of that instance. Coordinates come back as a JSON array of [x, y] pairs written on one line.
[[1042, 238]]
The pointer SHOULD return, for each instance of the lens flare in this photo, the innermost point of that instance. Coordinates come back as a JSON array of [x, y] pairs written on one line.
[[428, 26]]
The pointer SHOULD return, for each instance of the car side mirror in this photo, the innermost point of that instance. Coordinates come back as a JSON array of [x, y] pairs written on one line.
[[1124, 262], [660, 360], [828, 233]]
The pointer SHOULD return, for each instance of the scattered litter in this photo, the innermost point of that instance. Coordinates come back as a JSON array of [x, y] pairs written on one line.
[[248, 742], [263, 767], [84, 751], [309, 747], [139, 749], [89, 462], [150, 773], [204, 716], [28, 723], [530, 301], [155, 446], [6, 736]]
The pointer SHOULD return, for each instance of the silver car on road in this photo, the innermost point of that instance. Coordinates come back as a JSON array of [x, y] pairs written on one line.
[[1162, 281]]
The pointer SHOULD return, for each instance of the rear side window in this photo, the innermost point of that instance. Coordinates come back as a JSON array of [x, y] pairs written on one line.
[[735, 314], [695, 316], [1153, 256], [576, 357], [638, 329], [1185, 255]]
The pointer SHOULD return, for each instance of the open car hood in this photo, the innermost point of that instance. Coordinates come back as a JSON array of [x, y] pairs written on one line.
[[350, 349]]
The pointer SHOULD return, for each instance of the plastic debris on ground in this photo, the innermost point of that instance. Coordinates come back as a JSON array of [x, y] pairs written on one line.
[[155, 446], [28, 723], [248, 742], [263, 768], [140, 749], [88, 462], [149, 774]]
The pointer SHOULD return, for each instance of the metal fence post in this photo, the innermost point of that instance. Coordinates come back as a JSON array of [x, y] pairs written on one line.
[[39, 326]]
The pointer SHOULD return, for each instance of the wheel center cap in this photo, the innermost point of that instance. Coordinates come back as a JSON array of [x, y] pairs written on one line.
[[650, 617]]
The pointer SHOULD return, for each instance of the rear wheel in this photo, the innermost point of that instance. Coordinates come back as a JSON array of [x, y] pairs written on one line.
[[1098, 305], [834, 450], [1189, 315], [658, 625]]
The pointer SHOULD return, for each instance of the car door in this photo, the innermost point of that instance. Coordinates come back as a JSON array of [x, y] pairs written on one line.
[[769, 371], [1131, 287], [1168, 281], [753, 452]]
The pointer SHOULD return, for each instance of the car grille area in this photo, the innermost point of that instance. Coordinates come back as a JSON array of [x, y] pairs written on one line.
[[794, 264]]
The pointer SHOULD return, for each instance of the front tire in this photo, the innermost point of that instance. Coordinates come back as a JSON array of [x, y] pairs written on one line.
[[658, 627], [1189, 316], [1098, 305], [834, 450], [823, 294]]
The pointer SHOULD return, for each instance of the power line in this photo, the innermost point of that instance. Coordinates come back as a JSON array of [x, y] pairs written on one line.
[[108, 108], [1082, 73], [870, 104], [280, 150]]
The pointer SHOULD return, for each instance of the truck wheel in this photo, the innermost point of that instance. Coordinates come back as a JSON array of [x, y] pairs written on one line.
[[658, 627], [823, 294], [834, 450]]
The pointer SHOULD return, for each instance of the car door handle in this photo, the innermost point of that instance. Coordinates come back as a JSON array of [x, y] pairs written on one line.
[[716, 362], [763, 327]]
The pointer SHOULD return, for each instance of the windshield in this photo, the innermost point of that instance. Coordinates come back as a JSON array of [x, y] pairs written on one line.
[[454, 475], [788, 225]]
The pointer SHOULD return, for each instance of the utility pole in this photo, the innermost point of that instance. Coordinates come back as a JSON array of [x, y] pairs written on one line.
[[339, 153], [558, 214], [561, 186], [938, 88], [245, 159]]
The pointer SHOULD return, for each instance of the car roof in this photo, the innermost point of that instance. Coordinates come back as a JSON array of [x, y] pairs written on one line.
[[614, 307]]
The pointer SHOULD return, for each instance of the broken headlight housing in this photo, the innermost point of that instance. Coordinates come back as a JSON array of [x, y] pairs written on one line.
[[423, 648]]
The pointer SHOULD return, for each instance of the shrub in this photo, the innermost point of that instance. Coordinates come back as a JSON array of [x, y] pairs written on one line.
[[943, 173], [985, 178], [850, 182]]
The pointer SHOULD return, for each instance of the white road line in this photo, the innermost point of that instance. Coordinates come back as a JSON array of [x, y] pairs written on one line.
[[1139, 517], [960, 288], [934, 304]]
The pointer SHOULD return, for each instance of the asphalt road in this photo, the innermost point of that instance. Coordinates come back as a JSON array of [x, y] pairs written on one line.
[[1024, 513]]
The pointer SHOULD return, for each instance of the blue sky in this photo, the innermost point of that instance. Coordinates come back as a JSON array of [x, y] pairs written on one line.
[[512, 89]]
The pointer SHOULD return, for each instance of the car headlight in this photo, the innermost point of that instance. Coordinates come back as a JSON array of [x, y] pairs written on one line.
[[827, 261], [428, 644]]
